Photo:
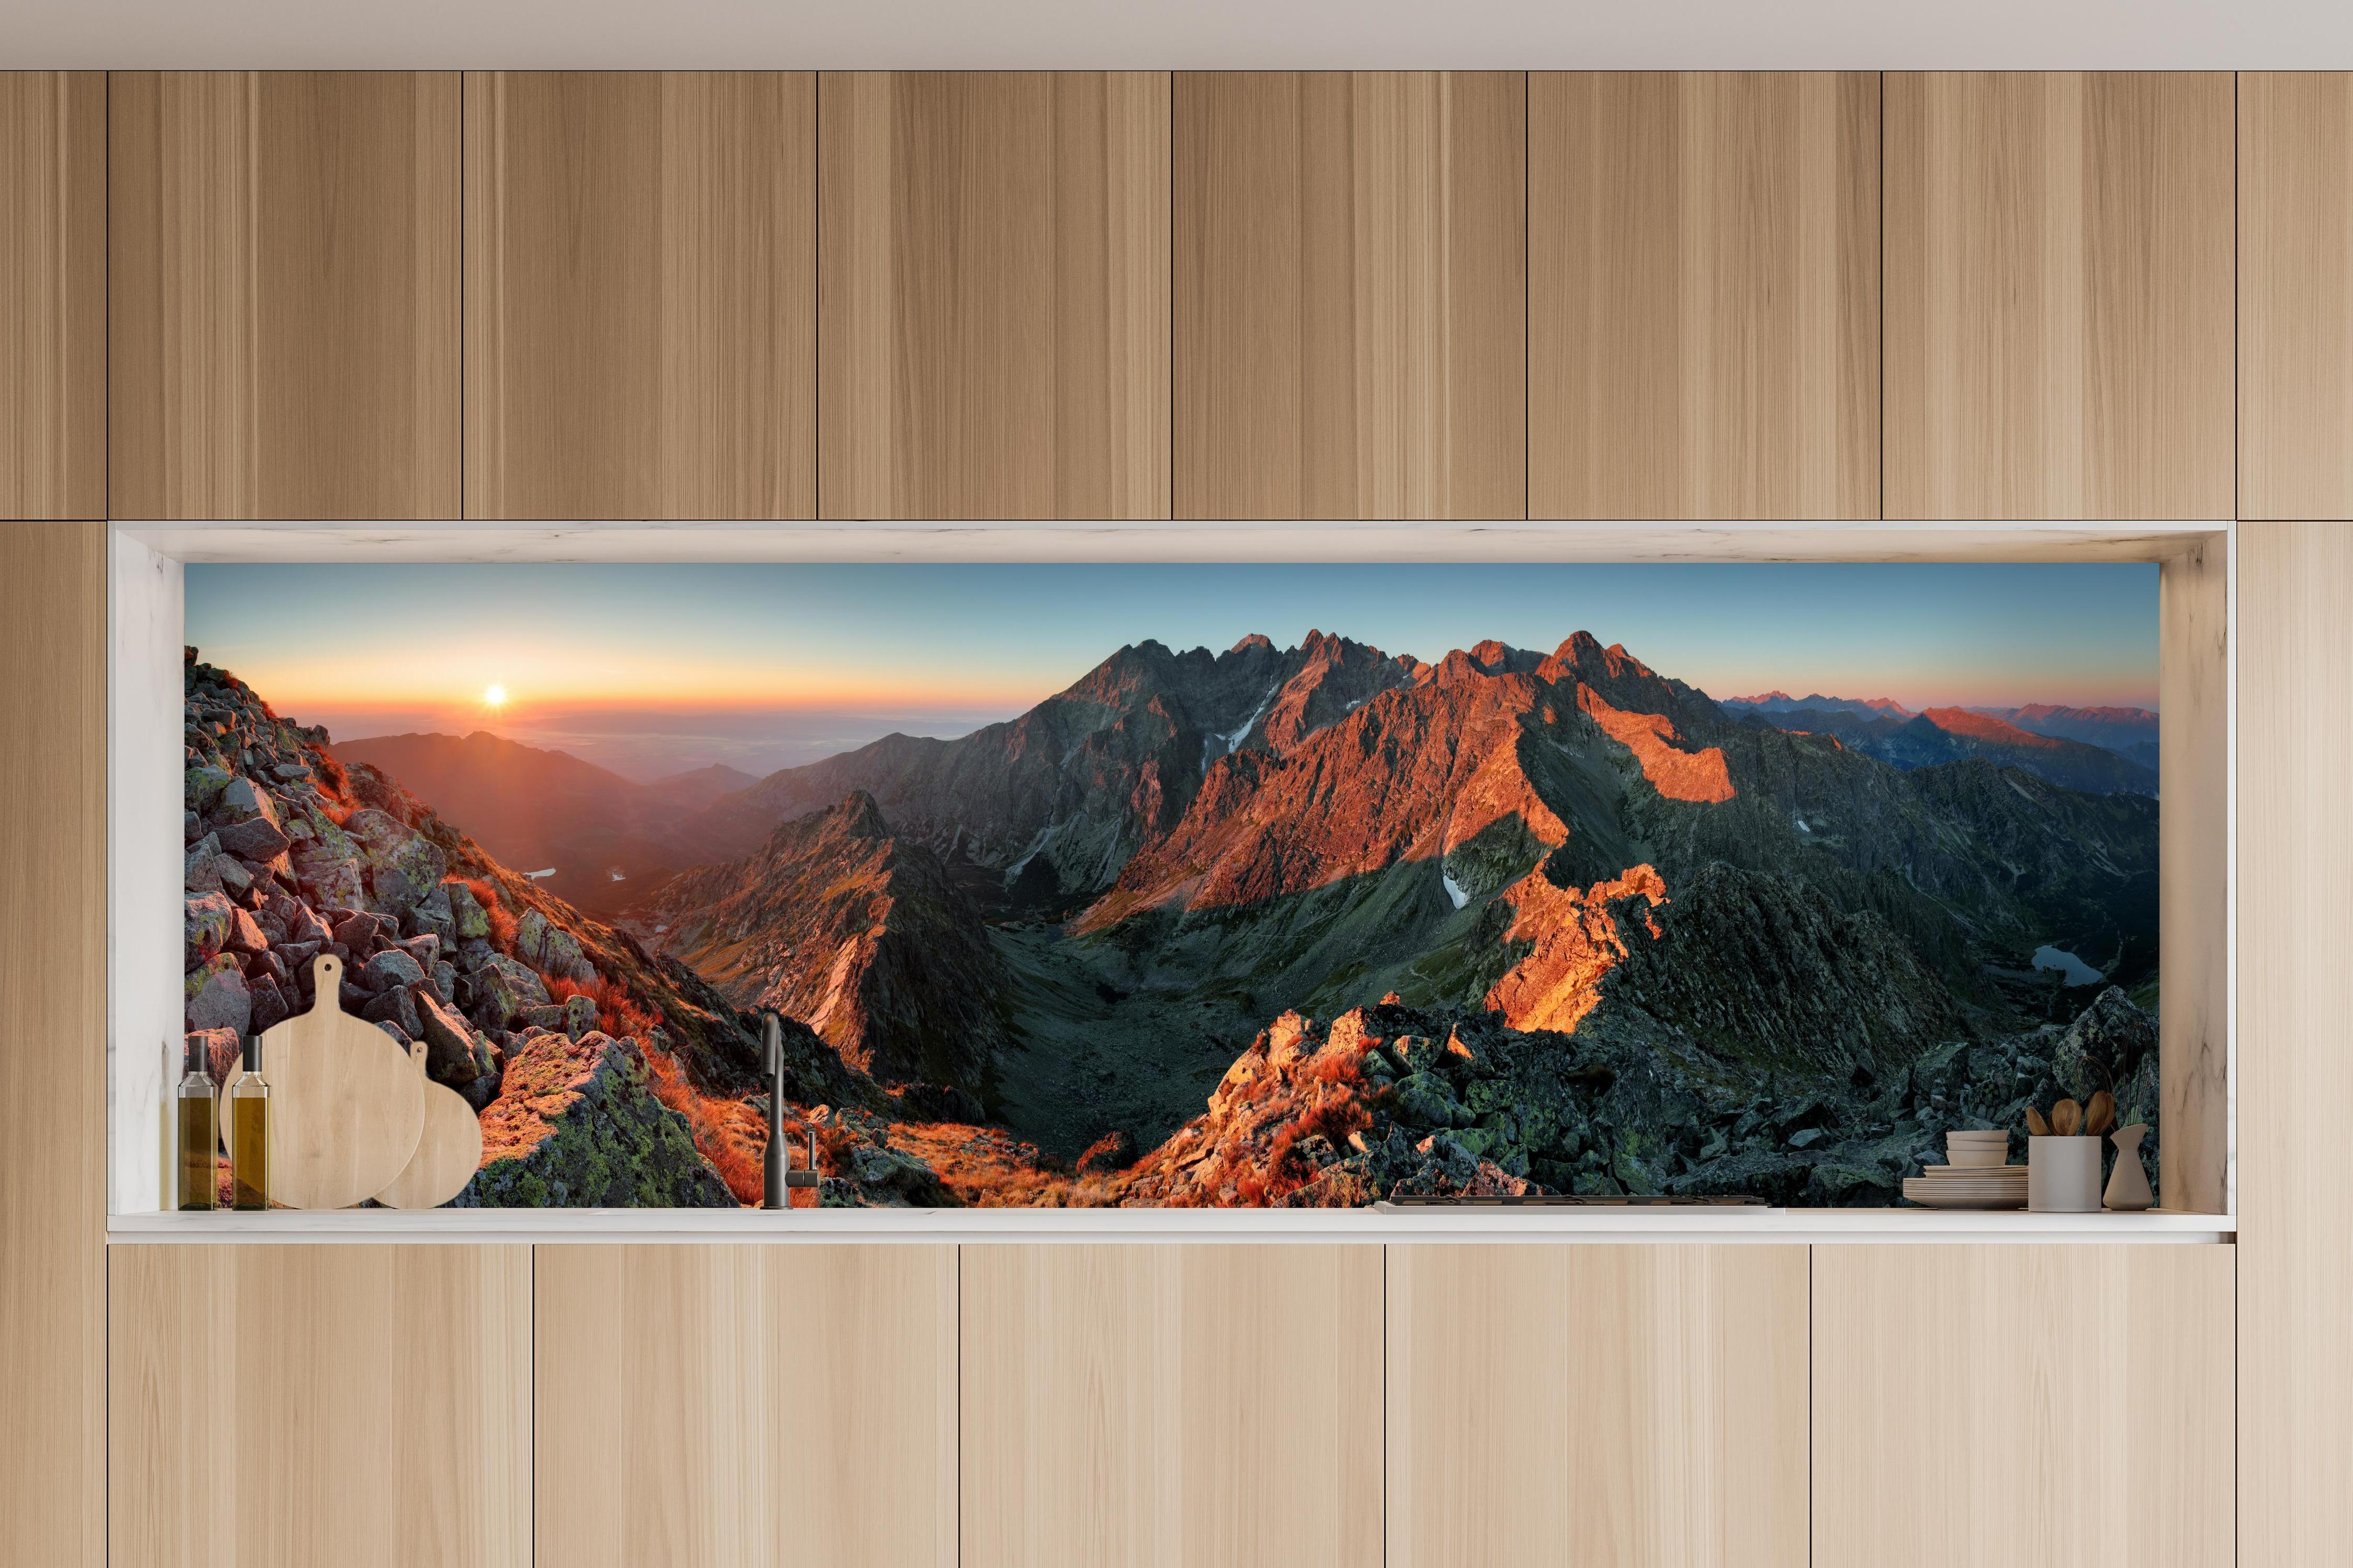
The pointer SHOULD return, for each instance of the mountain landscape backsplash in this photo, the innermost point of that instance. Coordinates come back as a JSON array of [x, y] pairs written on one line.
[[1317, 925]]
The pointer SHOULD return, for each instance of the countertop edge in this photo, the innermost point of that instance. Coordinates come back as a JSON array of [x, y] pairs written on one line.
[[1101, 1227]]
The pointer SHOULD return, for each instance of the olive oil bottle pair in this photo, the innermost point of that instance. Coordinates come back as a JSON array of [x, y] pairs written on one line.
[[249, 1112]]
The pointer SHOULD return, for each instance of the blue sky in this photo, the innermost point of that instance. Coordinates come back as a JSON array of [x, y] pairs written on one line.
[[652, 668]]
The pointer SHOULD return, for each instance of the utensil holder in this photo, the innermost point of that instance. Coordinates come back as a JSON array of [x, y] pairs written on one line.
[[2062, 1175]]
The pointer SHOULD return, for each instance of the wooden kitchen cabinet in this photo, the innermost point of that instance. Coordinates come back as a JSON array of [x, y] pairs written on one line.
[[2040, 1407], [2296, 294], [282, 295], [1704, 294], [2059, 309], [2294, 867], [746, 1404], [993, 319], [1588, 1404], [1172, 1407], [640, 294], [53, 610], [276, 1404], [1351, 294], [52, 294]]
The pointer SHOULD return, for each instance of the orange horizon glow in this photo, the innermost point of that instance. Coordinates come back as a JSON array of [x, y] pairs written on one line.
[[367, 688]]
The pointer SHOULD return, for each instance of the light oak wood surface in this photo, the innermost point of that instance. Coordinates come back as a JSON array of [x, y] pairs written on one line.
[[2034, 1406], [282, 294], [448, 1147], [382, 1421], [1171, 1406], [53, 1054], [2296, 294], [347, 1106], [1704, 294], [2193, 1024], [52, 294], [2295, 1043], [744, 1405], [993, 300], [2059, 294], [1351, 293], [1576, 1405], [640, 294]]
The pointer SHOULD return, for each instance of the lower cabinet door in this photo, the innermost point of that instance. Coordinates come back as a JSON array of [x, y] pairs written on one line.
[[744, 1405], [2036, 1407], [291, 1406], [1172, 1407], [1583, 1406]]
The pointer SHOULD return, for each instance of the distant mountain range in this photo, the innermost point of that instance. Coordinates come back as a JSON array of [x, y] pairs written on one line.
[[2077, 747], [604, 835], [1782, 702]]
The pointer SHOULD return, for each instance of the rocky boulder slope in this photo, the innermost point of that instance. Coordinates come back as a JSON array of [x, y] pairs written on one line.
[[1392, 1100], [580, 1128], [291, 854]]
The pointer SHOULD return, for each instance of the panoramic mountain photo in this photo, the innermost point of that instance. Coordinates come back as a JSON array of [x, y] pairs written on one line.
[[1089, 884]]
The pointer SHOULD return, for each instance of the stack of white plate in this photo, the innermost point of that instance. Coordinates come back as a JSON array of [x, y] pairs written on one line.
[[1978, 1178]]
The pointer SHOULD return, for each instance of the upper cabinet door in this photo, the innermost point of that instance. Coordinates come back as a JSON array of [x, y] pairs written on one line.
[[1704, 294], [994, 299], [53, 294], [640, 294], [2296, 294], [2059, 295], [1351, 294], [283, 294]]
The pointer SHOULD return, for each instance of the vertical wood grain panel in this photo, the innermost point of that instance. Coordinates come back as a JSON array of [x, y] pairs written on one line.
[[1351, 331], [2194, 828], [1172, 1407], [710, 1405], [1575, 1404], [994, 294], [1704, 294], [52, 294], [2039, 1407], [280, 1405], [282, 293], [2059, 294], [2296, 294], [640, 294], [2295, 1045], [53, 1055]]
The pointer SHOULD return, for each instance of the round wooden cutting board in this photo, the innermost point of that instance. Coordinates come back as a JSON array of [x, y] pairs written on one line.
[[346, 1104], [447, 1155]]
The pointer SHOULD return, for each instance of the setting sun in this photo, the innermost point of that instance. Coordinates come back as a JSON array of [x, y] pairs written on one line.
[[496, 696]]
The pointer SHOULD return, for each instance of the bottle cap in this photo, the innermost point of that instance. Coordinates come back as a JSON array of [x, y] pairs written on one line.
[[252, 1051]]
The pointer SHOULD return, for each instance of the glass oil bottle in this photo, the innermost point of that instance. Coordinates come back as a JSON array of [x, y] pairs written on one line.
[[249, 1123], [198, 1135]]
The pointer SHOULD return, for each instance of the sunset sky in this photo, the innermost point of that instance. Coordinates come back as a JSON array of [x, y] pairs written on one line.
[[655, 670]]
